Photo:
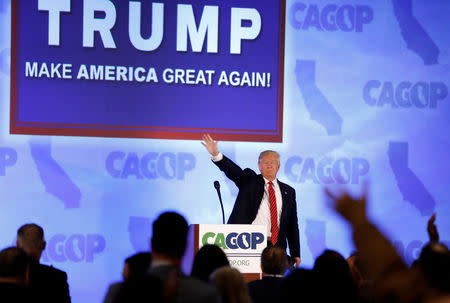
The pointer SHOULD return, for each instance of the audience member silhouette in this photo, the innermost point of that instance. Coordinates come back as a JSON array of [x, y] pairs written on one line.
[[139, 289], [209, 258], [375, 273], [432, 231], [434, 260], [274, 263], [359, 278], [334, 274], [168, 243], [164, 281], [46, 283], [135, 267], [14, 275], [392, 280], [434, 263], [231, 285], [301, 285]]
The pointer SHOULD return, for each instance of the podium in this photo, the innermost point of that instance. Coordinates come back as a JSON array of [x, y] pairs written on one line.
[[242, 243]]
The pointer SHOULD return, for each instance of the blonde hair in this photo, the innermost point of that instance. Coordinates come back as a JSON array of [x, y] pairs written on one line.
[[269, 153], [231, 285]]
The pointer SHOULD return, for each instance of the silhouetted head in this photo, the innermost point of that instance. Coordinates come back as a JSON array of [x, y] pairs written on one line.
[[208, 259], [299, 286], [169, 235], [434, 262], [30, 237], [335, 278], [14, 265], [274, 261], [136, 265], [231, 285]]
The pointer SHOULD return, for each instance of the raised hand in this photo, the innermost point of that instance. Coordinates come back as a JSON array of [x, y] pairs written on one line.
[[352, 209], [210, 145], [432, 229]]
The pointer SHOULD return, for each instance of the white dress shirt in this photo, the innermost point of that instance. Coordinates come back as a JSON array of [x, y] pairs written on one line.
[[263, 214]]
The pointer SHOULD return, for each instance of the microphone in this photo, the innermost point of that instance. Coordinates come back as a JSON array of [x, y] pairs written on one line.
[[217, 187]]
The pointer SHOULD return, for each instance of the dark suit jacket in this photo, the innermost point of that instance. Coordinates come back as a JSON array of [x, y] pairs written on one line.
[[14, 293], [139, 289], [113, 290], [251, 191], [151, 288], [189, 290], [48, 284], [266, 290]]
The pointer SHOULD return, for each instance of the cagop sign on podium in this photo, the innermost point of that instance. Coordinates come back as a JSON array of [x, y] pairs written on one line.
[[242, 243]]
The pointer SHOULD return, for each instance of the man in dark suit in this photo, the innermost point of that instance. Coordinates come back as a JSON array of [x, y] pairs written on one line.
[[168, 244], [13, 275], [262, 199], [46, 283], [134, 268], [274, 264]]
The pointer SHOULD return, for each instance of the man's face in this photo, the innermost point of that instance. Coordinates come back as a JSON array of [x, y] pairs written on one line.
[[269, 166]]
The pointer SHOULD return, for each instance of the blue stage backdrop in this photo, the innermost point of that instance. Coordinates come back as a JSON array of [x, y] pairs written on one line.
[[358, 91]]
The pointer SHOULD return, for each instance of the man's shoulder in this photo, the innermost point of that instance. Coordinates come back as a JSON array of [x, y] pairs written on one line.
[[11, 292], [49, 270], [11, 287], [285, 186], [113, 290], [196, 284], [252, 173], [193, 290], [115, 286], [265, 281], [187, 283]]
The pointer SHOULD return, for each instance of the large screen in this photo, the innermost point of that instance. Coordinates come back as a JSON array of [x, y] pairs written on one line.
[[148, 69], [362, 97]]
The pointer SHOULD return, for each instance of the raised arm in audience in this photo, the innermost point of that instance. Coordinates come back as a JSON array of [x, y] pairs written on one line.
[[432, 229], [378, 255]]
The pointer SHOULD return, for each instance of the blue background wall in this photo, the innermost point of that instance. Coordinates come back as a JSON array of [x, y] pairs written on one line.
[[366, 97]]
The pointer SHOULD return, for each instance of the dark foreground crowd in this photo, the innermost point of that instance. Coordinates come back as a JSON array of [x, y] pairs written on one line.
[[375, 273]]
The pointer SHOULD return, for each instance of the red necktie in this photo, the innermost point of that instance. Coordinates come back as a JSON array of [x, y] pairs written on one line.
[[273, 214]]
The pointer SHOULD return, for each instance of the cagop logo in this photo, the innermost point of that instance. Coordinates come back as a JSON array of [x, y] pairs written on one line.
[[75, 248], [8, 158], [234, 240], [331, 17], [152, 165], [405, 94], [327, 170]]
